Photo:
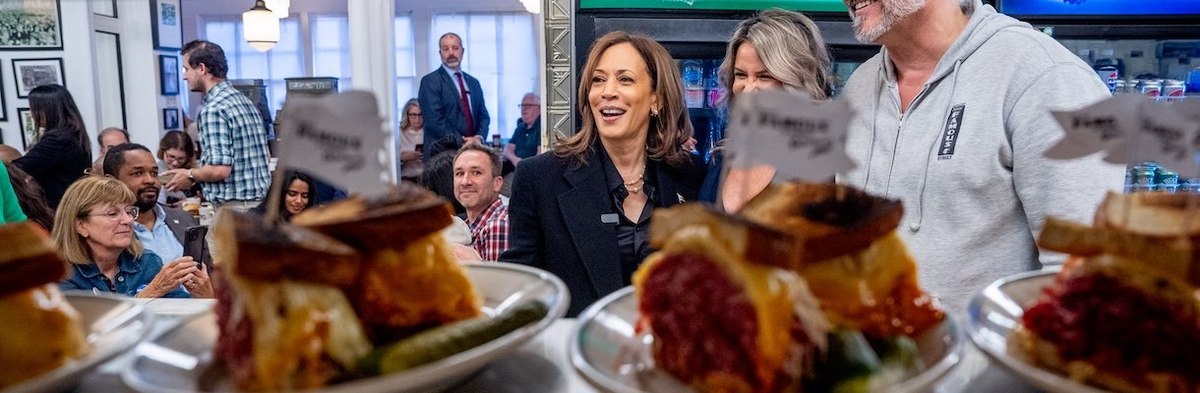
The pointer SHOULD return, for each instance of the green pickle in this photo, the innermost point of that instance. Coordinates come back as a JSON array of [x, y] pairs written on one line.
[[853, 364], [450, 339]]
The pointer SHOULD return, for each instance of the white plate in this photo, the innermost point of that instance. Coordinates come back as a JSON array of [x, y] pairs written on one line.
[[180, 359], [112, 324], [608, 354], [996, 311]]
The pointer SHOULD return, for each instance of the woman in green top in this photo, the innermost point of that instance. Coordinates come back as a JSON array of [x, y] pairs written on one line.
[[10, 209]]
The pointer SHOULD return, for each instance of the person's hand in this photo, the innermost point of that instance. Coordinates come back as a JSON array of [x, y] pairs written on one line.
[[171, 276], [179, 180], [478, 139], [689, 145], [201, 285], [410, 155]]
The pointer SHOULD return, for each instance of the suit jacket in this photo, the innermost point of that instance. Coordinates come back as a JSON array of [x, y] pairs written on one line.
[[179, 221], [441, 108], [554, 220]]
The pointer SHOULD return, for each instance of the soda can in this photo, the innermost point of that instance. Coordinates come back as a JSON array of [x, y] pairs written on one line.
[[1166, 179], [1150, 88], [1119, 87], [1173, 90], [1142, 177], [1191, 185], [1109, 75]]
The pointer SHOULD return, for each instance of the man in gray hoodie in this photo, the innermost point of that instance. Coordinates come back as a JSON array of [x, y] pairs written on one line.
[[953, 119]]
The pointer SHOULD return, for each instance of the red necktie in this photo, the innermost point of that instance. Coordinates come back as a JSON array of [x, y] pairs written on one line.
[[466, 105]]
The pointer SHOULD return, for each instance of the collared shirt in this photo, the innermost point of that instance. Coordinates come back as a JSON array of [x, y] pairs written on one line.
[[489, 231], [454, 78], [160, 239], [133, 276], [633, 238], [232, 134], [527, 139]]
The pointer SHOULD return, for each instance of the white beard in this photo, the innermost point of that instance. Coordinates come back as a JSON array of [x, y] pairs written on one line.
[[893, 11]]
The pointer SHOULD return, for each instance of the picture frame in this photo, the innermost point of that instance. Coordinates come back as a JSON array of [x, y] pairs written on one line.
[[31, 73], [168, 73], [171, 119], [166, 25], [28, 129], [30, 25], [3, 103]]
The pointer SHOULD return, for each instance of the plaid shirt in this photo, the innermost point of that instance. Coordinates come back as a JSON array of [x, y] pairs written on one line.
[[232, 134], [489, 231]]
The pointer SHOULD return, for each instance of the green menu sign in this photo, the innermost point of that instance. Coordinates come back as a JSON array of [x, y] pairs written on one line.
[[795, 5]]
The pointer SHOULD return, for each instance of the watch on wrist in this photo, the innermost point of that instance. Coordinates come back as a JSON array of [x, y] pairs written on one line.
[[190, 177]]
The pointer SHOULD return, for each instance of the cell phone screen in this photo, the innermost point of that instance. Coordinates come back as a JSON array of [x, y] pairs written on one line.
[[420, 147]]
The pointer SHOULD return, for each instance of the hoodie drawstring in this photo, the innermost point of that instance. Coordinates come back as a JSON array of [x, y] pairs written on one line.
[[874, 123], [915, 224]]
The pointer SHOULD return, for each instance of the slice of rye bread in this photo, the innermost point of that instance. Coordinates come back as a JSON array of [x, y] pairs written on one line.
[[28, 258], [744, 238], [406, 213], [283, 251], [829, 220]]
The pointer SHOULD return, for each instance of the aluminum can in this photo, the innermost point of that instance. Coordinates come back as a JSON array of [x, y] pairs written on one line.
[[1166, 179], [1142, 177], [1150, 88], [1173, 90], [1109, 75], [1120, 87]]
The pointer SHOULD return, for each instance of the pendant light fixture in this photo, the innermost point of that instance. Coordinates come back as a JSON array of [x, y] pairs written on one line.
[[260, 27], [279, 7]]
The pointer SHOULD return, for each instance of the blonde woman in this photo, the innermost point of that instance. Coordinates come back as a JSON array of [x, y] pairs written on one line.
[[412, 135], [776, 49], [93, 230]]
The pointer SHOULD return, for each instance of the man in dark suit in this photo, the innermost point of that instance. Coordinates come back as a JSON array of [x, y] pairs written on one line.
[[444, 94], [161, 229]]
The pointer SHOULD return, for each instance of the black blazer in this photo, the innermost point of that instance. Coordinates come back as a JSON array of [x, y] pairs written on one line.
[[554, 220], [441, 108], [55, 162]]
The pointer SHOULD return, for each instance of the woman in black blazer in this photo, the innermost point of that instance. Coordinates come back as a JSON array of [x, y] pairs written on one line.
[[583, 212], [63, 150]]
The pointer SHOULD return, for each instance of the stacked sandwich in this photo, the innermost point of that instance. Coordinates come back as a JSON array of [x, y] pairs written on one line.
[[1124, 312], [301, 305], [798, 287], [41, 331]]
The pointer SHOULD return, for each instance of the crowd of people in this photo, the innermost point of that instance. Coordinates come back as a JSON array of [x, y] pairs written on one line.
[[582, 209]]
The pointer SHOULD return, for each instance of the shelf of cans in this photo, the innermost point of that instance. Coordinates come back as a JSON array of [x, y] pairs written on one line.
[[1149, 176], [1160, 89]]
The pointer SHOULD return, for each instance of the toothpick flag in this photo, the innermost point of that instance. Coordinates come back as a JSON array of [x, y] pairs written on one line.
[[338, 138], [801, 137]]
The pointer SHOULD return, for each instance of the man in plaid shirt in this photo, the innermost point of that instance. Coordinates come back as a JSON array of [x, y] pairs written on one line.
[[477, 183], [234, 159]]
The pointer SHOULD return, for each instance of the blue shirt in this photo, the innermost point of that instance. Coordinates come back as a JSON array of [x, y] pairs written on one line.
[[232, 134], [160, 240], [527, 139], [133, 276]]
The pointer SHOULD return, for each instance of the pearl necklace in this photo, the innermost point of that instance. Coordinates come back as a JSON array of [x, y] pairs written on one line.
[[640, 179]]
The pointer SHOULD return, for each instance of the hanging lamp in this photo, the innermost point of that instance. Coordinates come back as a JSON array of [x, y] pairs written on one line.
[[260, 27]]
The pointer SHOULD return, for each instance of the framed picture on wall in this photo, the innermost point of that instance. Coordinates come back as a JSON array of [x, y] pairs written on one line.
[[28, 129], [168, 73], [165, 23], [30, 25], [31, 73], [3, 103], [171, 119]]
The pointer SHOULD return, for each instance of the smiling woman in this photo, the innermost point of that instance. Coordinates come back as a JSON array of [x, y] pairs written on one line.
[[570, 210]]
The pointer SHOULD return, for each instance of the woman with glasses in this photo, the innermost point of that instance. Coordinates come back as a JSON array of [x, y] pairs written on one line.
[[412, 135], [176, 150], [93, 230]]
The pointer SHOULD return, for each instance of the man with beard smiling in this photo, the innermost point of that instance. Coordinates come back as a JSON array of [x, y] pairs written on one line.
[[451, 102], [160, 228], [953, 120], [477, 183]]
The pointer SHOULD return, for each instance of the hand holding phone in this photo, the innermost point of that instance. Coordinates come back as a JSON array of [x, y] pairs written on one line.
[[193, 244]]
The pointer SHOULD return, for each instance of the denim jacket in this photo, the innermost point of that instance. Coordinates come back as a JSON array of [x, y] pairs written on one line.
[[133, 276]]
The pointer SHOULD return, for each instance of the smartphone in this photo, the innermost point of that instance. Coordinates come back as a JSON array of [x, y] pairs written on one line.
[[193, 244], [420, 147]]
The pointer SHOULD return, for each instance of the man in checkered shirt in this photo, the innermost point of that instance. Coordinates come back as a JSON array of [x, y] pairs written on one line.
[[477, 183], [234, 169]]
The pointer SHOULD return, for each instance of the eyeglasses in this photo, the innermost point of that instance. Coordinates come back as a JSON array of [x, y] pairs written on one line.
[[115, 214], [523, 106]]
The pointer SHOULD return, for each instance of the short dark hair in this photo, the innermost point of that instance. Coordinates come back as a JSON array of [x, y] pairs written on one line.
[[207, 53], [115, 158], [493, 156]]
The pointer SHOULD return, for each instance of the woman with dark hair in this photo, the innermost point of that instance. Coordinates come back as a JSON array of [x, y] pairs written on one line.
[[30, 197], [298, 195], [438, 177], [63, 150], [583, 213]]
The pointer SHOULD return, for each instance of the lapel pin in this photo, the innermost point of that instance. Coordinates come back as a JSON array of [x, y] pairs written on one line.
[[680, 196]]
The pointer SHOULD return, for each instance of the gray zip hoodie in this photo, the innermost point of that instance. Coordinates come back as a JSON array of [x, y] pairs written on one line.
[[966, 159]]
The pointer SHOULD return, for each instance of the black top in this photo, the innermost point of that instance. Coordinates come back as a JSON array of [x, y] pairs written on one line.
[[633, 238], [55, 162]]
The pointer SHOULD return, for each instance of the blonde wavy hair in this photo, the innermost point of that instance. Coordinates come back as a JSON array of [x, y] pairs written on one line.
[[81, 197], [789, 46], [667, 131]]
